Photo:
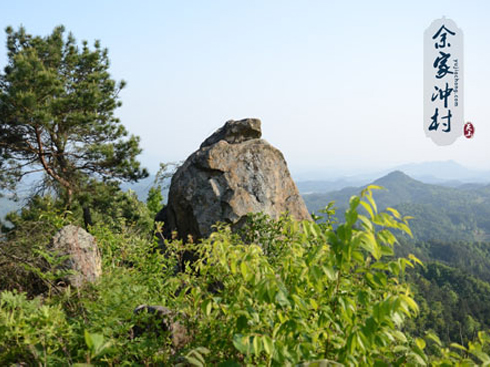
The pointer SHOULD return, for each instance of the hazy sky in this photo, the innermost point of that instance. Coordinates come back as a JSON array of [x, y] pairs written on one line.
[[337, 84]]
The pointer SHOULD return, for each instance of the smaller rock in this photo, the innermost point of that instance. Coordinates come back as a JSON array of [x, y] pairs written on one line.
[[83, 254], [235, 132], [162, 319]]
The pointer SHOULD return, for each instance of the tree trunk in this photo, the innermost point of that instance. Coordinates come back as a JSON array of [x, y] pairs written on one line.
[[87, 217]]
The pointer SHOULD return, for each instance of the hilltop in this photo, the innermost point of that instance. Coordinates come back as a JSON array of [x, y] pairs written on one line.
[[443, 213]]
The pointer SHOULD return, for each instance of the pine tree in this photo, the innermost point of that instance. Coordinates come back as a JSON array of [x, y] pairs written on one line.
[[57, 103]]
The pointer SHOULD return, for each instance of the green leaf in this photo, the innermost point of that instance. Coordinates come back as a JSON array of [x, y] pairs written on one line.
[[420, 343], [194, 362], [329, 271], [244, 270], [268, 344], [405, 229], [282, 299], [207, 306], [434, 338], [369, 243], [354, 202], [458, 346], [375, 187], [88, 340], [241, 343], [394, 212], [416, 260], [482, 356], [410, 302], [369, 197], [368, 208], [257, 345]]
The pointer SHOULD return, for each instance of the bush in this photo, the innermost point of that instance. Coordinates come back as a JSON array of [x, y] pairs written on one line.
[[279, 293], [31, 331]]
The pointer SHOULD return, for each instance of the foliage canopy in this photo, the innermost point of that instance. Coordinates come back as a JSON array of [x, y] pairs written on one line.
[[57, 103]]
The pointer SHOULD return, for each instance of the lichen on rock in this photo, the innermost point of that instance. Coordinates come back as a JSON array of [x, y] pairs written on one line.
[[233, 173]]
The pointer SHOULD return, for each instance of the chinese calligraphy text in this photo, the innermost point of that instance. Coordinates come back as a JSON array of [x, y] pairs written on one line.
[[443, 82]]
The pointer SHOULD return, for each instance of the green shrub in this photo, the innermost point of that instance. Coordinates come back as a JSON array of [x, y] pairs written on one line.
[[32, 332], [278, 293], [312, 294]]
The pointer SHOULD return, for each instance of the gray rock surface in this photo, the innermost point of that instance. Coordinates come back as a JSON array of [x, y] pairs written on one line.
[[83, 254], [232, 174], [235, 132], [160, 319]]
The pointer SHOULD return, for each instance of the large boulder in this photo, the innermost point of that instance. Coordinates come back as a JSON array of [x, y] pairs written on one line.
[[232, 174], [83, 257]]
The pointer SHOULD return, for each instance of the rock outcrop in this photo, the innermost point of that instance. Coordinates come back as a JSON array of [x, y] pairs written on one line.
[[159, 320], [83, 255], [232, 174]]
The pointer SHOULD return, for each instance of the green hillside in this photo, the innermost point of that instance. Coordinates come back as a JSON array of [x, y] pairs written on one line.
[[454, 304], [451, 228], [439, 212]]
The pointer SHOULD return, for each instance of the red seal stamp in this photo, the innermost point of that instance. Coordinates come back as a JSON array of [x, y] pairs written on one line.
[[468, 130]]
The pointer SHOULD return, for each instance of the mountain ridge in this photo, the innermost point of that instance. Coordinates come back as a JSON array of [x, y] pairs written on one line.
[[445, 173], [439, 212]]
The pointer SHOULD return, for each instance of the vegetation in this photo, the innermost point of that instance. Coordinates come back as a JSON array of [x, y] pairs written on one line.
[[472, 258], [440, 213], [452, 303], [279, 293], [57, 105], [452, 290]]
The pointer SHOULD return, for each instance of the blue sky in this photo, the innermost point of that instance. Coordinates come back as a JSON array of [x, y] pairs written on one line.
[[337, 84]]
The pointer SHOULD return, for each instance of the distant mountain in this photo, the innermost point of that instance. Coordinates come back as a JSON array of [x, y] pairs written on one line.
[[445, 173], [441, 172], [471, 186], [6, 206], [400, 188], [140, 188], [308, 187], [439, 212]]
